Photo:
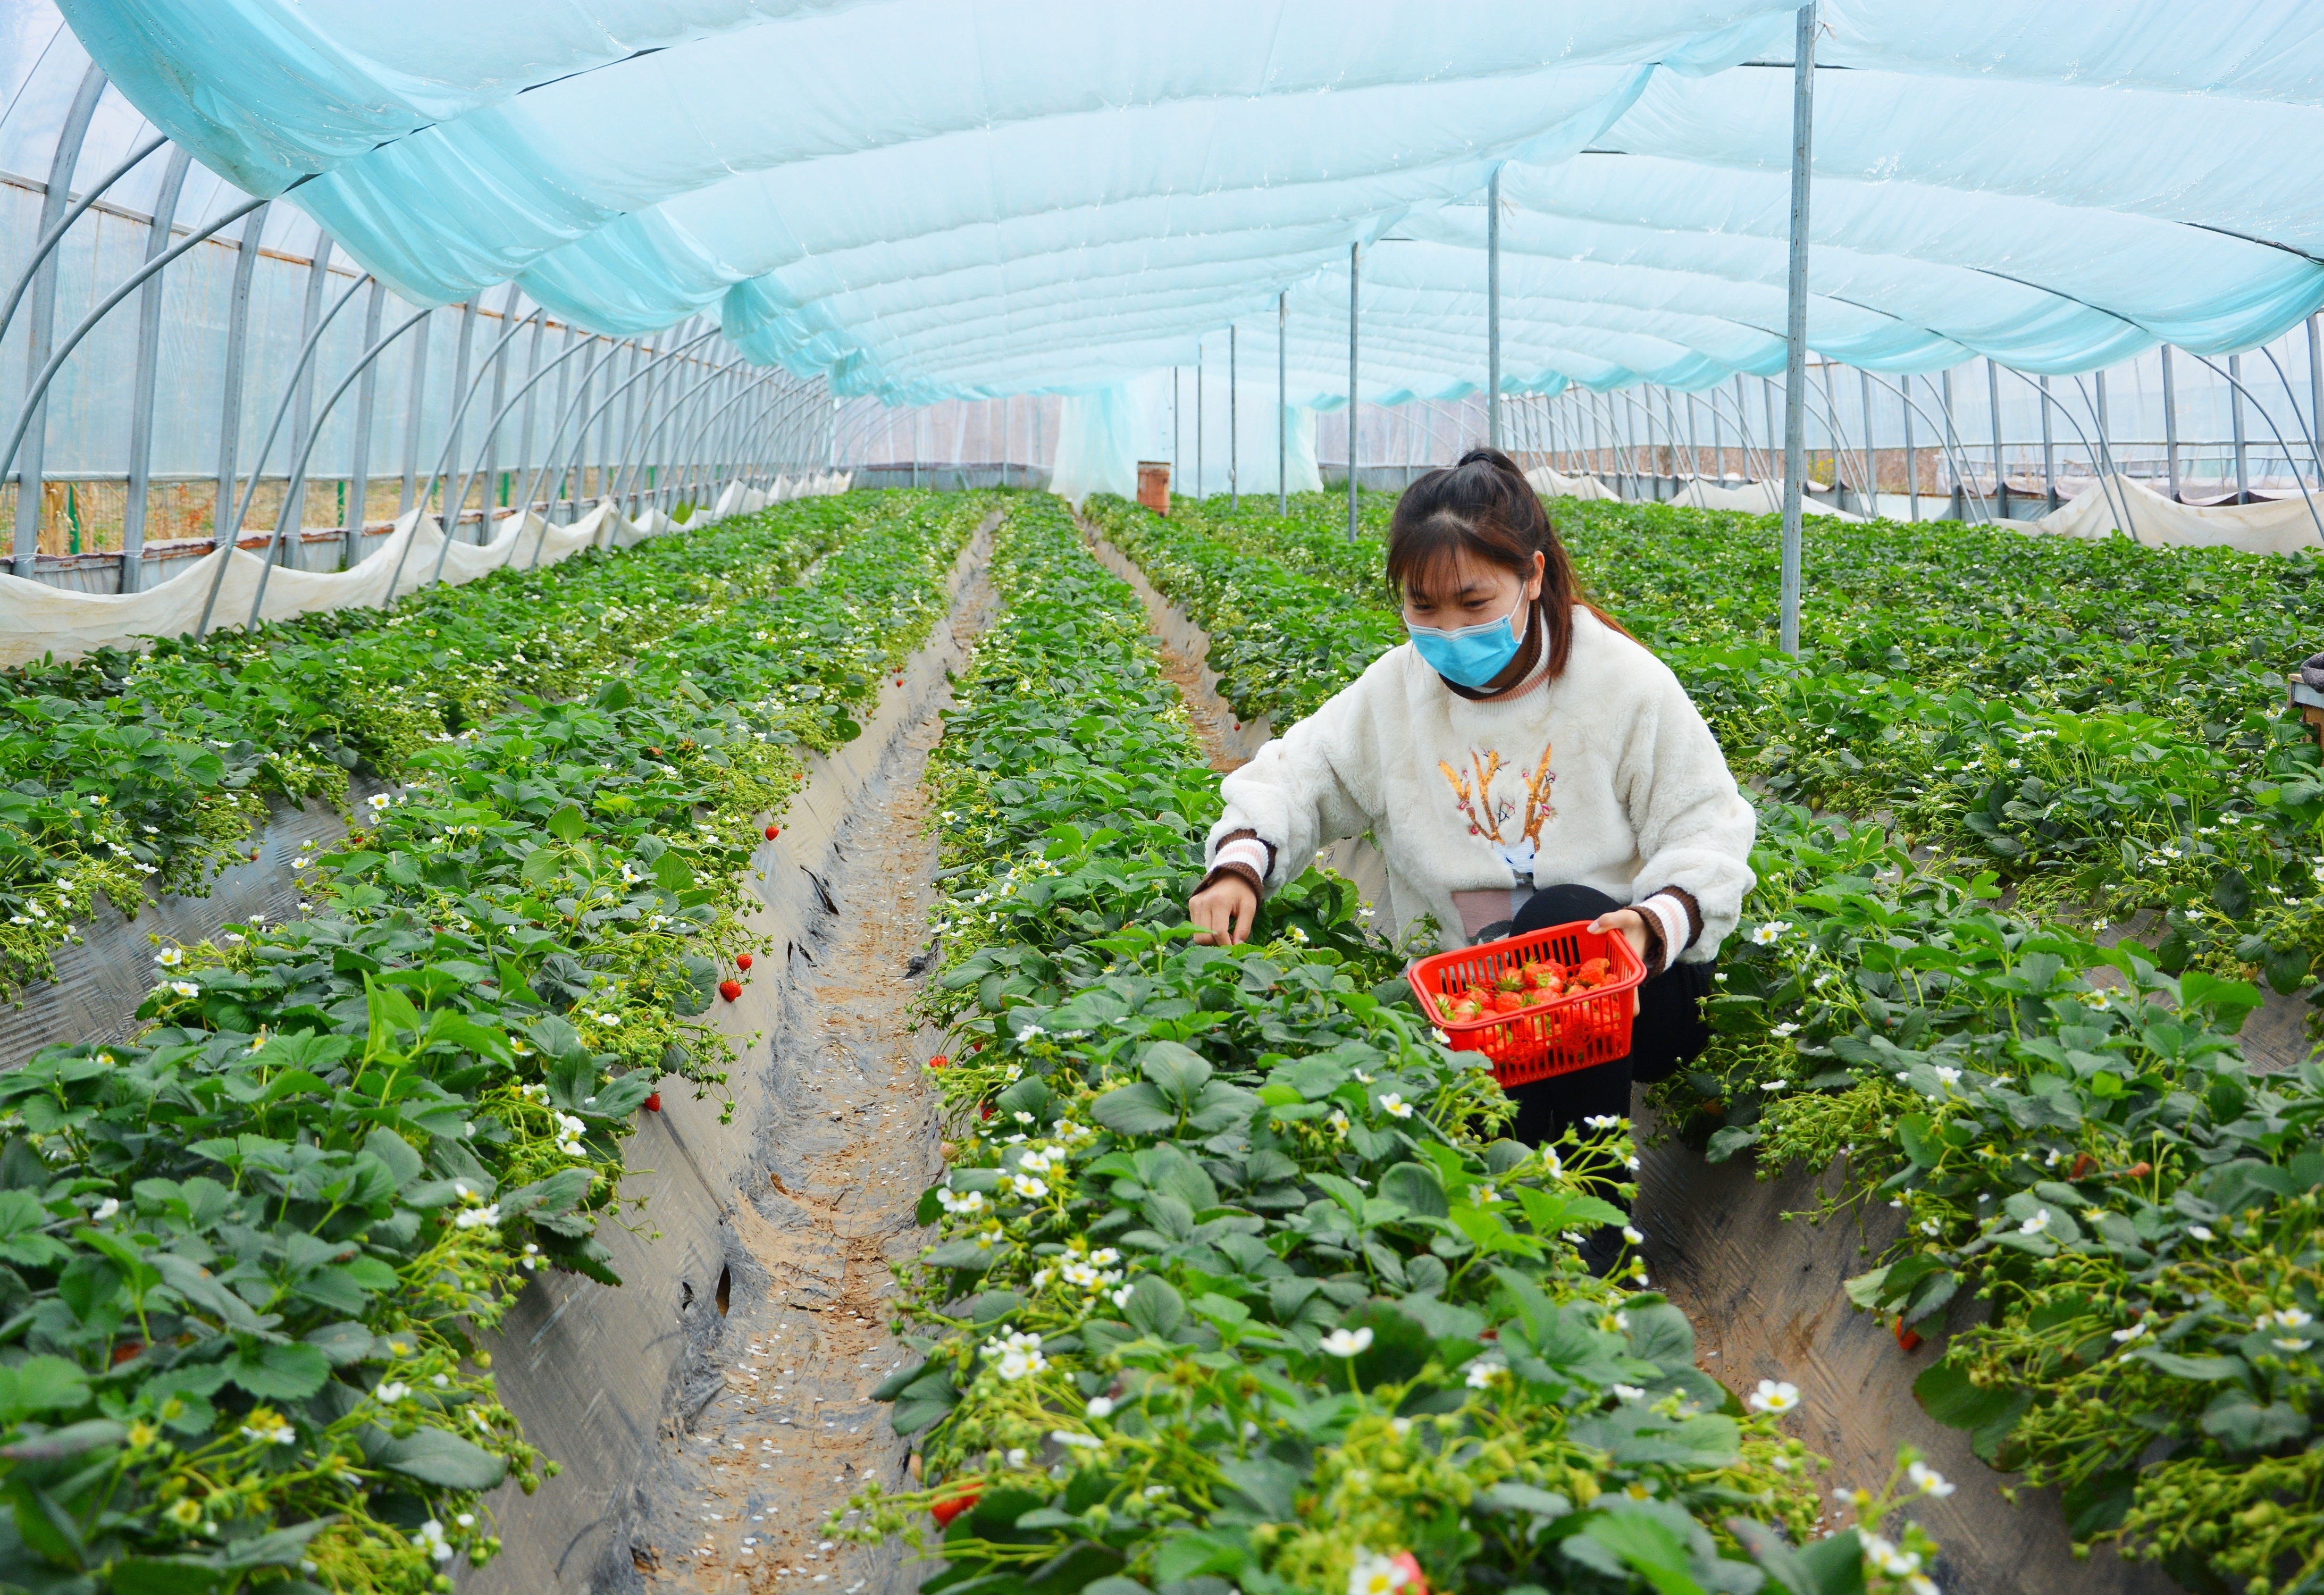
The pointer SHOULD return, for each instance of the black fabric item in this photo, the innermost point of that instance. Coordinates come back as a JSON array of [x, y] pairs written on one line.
[[1670, 1029]]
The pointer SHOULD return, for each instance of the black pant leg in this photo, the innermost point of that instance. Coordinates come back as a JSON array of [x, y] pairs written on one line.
[[1669, 1030]]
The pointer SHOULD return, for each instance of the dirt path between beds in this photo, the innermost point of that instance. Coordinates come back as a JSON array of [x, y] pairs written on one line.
[[781, 1428]]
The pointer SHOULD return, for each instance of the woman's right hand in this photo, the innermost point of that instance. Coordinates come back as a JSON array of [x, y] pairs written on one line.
[[1222, 911]]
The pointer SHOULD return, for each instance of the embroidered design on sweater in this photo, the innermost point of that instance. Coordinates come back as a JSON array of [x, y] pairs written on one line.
[[1513, 827]]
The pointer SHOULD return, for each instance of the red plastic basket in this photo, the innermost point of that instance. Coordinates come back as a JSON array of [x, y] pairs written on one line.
[[1562, 1035]]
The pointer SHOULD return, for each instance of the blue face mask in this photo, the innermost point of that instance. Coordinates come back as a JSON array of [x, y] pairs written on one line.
[[1472, 655]]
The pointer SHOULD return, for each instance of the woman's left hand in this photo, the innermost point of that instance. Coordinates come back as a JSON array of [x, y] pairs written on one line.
[[1630, 922], [1633, 926]]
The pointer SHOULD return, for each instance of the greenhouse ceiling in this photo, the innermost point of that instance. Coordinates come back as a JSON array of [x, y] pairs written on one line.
[[929, 197]]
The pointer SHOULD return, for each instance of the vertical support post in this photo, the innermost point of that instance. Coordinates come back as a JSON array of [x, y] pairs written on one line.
[[1353, 284], [2098, 401], [464, 348], [1234, 437], [2315, 394], [1693, 439], [1795, 323], [532, 397], [415, 411], [1009, 411], [2235, 411], [1718, 440], [1993, 404], [1177, 476], [2169, 425], [1911, 455], [489, 453], [1493, 309], [1871, 451], [2049, 448], [149, 366], [41, 317], [302, 400], [237, 342], [1952, 437], [359, 459], [1198, 419], [1283, 406]]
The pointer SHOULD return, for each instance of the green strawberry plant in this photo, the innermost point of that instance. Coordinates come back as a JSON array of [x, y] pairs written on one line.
[[246, 1257], [1234, 1281], [2055, 734]]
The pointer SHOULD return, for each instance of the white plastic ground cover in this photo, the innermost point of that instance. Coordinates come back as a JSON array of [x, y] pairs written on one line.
[[2280, 525], [37, 620], [921, 199]]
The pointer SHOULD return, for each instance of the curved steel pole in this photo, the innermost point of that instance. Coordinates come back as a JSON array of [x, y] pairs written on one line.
[[449, 524], [33, 482], [620, 486], [452, 432], [483, 448], [704, 428], [55, 235], [669, 413], [646, 417], [298, 467], [1946, 440], [275, 426], [160, 262], [525, 507], [149, 366], [591, 419], [2306, 435], [565, 414], [2279, 443], [362, 363], [2048, 402]]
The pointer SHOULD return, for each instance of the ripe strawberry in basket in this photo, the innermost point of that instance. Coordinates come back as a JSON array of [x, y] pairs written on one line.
[[1462, 1010], [1593, 971]]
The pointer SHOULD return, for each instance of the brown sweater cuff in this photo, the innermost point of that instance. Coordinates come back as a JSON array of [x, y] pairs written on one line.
[[1240, 872]]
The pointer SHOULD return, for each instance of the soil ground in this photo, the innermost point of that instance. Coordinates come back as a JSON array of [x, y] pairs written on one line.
[[780, 1431]]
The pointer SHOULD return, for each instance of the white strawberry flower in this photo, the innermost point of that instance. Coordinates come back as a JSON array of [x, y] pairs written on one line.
[[1393, 1105], [2037, 1223], [1347, 1343], [1929, 1481], [1774, 1396]]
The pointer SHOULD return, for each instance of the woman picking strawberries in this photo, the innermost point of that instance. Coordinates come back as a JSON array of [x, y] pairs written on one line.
[[1522, 763]]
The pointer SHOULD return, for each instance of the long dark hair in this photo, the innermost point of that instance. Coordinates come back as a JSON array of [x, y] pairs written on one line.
[[1484, 507]]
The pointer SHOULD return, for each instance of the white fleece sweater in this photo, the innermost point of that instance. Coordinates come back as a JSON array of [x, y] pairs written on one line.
[[1606, 776]]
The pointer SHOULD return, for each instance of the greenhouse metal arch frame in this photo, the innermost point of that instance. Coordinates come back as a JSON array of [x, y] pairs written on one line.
[[662, 456]]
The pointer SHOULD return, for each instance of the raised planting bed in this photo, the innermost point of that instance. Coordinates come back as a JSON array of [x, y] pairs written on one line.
[[2056, 1148], [1234, 1285], [259, 1251], [129, 776]]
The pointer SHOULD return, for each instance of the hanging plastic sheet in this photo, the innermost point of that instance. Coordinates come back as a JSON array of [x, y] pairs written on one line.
[[919, 198], [2280, 525]]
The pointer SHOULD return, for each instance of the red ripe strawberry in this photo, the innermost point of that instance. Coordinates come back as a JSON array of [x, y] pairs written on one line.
[[773, 832], [730, 989], [742, 961], [939, 1061], [1512, 981], [1906, 1339], [953, 1506], [1507, 1001], [1414, 1582], [653, 1103], [985, 1111]]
